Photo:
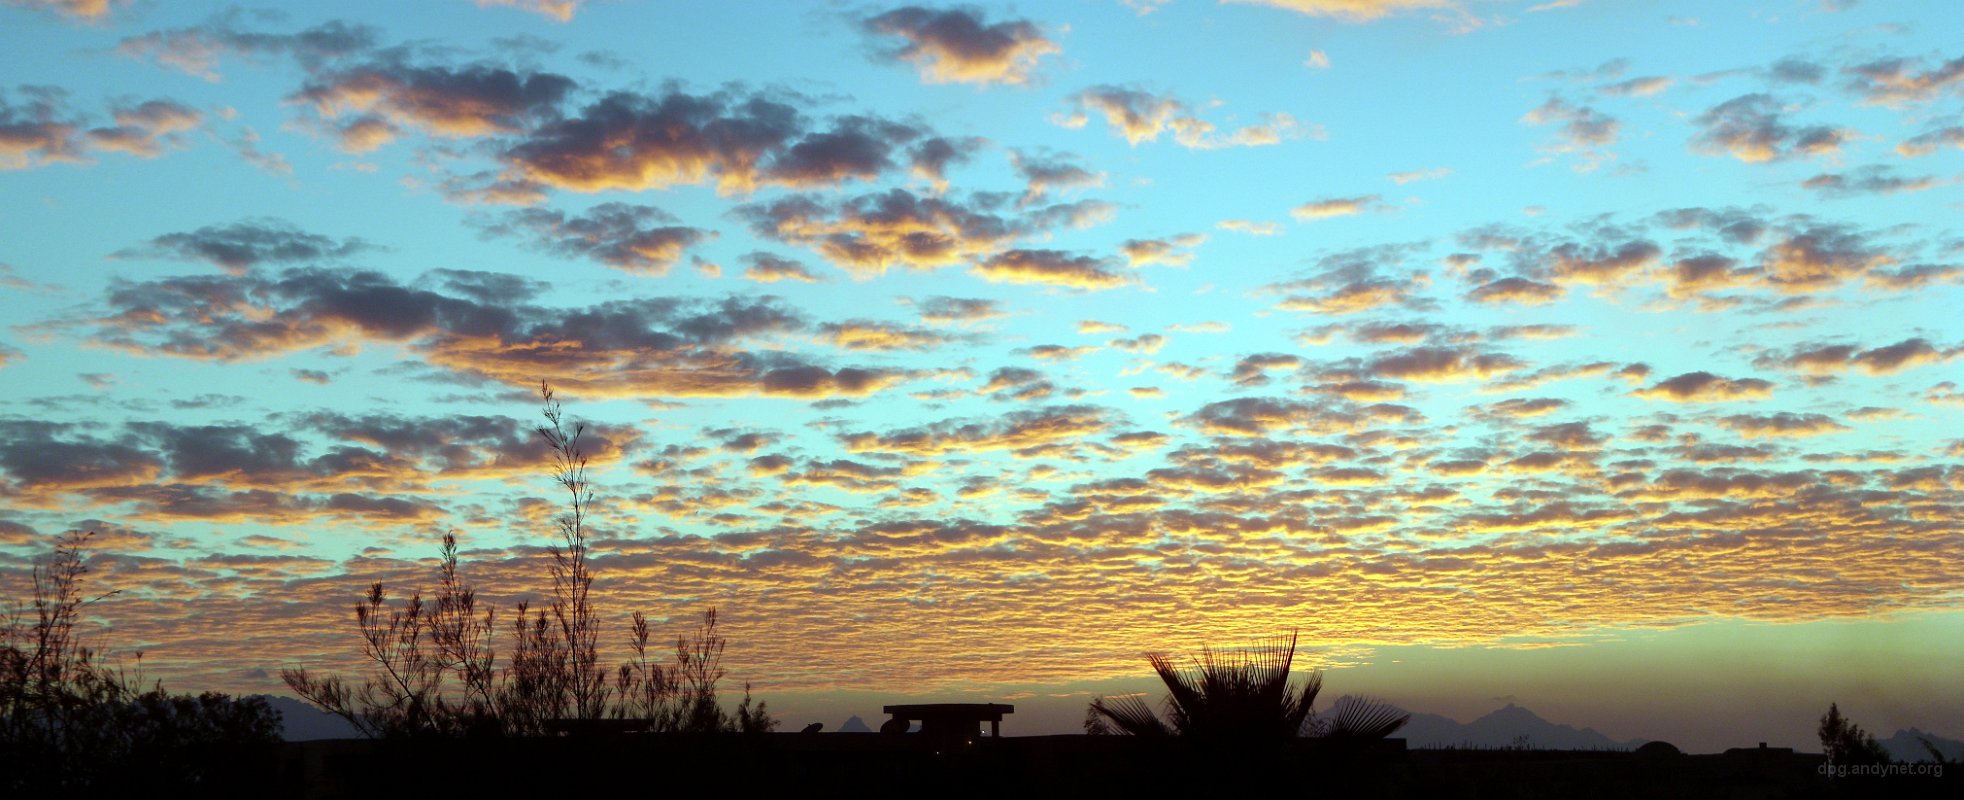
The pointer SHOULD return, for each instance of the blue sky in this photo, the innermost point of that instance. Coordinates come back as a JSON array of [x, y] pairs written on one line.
[[1042, 334]]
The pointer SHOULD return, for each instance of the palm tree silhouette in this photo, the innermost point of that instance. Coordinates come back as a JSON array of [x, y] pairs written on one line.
[[1242, 695]]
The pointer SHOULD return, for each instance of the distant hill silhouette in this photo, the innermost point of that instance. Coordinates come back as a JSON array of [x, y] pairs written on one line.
[[855, 725], [301, 722], [1505, 727], [1904, 746]]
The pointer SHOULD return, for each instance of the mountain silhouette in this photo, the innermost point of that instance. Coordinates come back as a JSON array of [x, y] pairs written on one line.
[[1905, 746], [1508, 726], [855, 725]]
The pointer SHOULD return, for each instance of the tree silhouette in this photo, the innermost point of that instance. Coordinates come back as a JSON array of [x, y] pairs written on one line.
[[1844, 742], [69, 718]]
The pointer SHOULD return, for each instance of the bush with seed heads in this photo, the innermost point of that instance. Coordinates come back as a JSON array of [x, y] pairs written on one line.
[[436, 671]]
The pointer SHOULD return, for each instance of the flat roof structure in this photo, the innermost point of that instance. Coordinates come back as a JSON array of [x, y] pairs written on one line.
[[948, 720]]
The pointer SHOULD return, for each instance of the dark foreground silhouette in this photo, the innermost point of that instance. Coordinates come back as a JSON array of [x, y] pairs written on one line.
[[875, 765]]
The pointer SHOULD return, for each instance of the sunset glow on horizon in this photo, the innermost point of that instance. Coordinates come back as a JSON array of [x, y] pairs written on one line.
[[1570, 353]]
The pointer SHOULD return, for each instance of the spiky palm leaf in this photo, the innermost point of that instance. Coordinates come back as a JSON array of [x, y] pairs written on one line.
[[1130, 714], [1356, 718], [1225, 695]]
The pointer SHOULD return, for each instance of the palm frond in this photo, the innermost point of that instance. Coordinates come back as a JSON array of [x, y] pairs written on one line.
[[1130, 714], [1301, 715], [1244, 696], [1185, 690], [1356, 718]]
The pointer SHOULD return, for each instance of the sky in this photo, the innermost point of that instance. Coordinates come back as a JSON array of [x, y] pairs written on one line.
[[1597, 356]]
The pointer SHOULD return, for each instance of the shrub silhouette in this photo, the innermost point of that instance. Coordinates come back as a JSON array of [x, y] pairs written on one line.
[[1240, 696], [435, 668], [69, 719]]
